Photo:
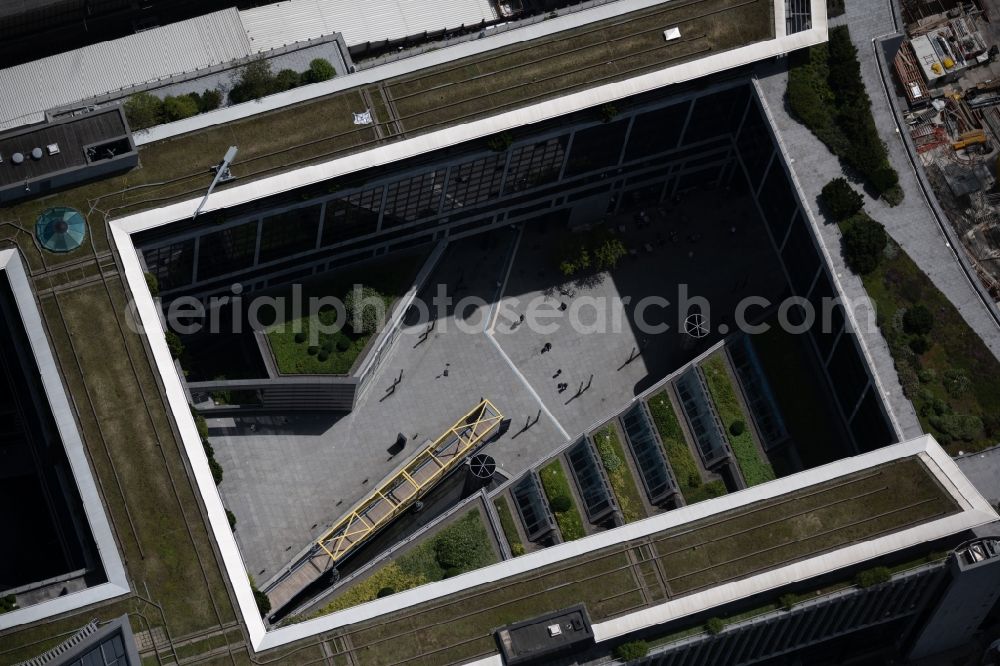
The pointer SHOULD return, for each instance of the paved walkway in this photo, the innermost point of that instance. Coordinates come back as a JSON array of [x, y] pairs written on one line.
[[912, 224]]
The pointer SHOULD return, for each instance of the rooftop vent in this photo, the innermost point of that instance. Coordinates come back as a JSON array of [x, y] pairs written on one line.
[[36, 153], [17, 158], [670, 34]]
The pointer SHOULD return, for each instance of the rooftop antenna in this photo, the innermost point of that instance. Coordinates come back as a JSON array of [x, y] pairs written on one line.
[[222, 174]]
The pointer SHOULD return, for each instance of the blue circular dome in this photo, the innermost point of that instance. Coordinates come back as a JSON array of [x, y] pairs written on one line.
[[61, 229]]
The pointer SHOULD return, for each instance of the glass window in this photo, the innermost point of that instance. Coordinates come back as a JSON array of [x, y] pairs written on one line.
[[648, 453], [590, 480], [226, 251], [351, 216], [289, 232], [596, 147], [475, 182], [535, 164], [656, 131], [413, 198], [172, 264]]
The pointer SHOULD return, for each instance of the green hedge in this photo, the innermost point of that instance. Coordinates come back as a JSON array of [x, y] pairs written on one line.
[[555, 484], [755, 469], [509, 527], [827, 94], [623, 484]]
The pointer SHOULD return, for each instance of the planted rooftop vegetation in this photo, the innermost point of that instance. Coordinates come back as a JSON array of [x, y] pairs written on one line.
[[752, 463], [693, 486], [555, 485], [463, 546], [694, 556], [623, 482]]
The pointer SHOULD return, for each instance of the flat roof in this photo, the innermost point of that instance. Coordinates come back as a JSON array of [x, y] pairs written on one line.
[[34, 87], [62, 413], [563, 65], [277, 24], [72, 136], [724, 547]]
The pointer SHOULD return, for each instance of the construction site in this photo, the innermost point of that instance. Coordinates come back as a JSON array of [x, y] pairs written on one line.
[[949, 91]]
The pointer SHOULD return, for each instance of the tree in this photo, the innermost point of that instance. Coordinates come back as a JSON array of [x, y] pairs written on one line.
[[143, 110], [174, 344], [498, 143], [254, 81], [179, 108], [287, 79], [232, 519], [153, 284], [365, 308], [609, 253], [873, 576], [714, 625], [840, 199], [788, 601], [208, 100], [320, 69], [918, 320], [263, 603], [864, 241], [631, 651]]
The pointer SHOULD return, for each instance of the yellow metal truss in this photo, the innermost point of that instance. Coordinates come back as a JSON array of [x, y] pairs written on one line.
[[411, 482]]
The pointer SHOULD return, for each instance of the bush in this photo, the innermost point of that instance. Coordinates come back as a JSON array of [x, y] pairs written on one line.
[[179, 108], [216, 468], [918, 320], [864, 240], [8, 603], [254, 81], [300, 337], [232, 519], [263, 603], [561, 503], [631, 651], [956, 383], [287, 79], [714, 625], [385, 592], [342, 345], [957, 427], [873, 576], [840, 199], [737, 428], [787, 601], [826, 93], [365, 308], [609, 253], [919, 346], [608, 113], [517, 549], [208, 100], [153, 284], [143, 111], [174, 344], [320, 69], [312, 350], [323, 356]]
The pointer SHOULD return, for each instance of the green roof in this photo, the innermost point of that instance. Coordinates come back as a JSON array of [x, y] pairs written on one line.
[[477, 86], [679, 561]]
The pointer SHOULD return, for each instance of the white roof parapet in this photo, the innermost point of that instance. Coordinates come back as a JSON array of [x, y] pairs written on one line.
[[62, 414]]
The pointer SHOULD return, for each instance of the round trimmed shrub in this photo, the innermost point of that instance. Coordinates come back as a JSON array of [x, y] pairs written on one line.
[[313, 350], [840, 199], [714, 625], [737, 428], [343, 344], [320, 69], [300, 337], [323, 356], [385, 592], [864, 241], [561, 503]]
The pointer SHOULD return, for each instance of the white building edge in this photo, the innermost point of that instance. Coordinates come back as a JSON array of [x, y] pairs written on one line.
[[62, 413]]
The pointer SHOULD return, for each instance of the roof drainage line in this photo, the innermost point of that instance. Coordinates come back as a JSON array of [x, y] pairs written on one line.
[[953, 242]]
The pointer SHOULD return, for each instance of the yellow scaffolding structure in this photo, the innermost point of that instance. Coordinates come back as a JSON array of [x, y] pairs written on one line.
[[411, 482]]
